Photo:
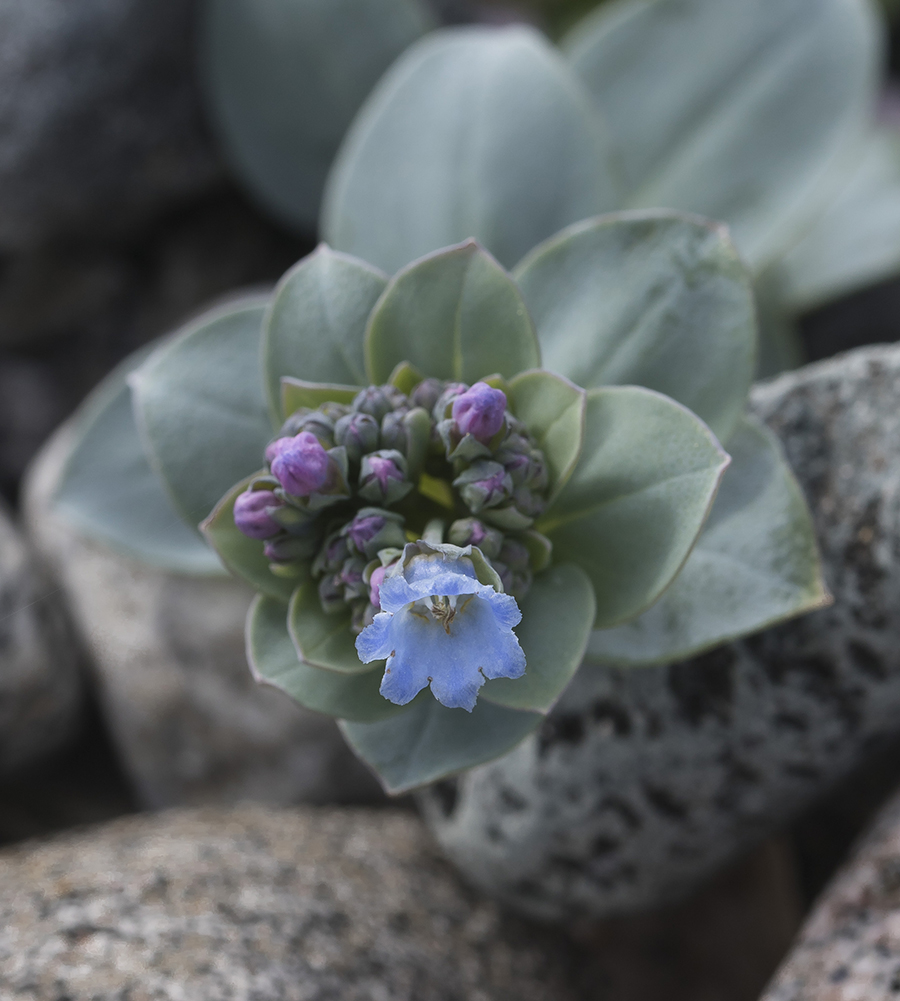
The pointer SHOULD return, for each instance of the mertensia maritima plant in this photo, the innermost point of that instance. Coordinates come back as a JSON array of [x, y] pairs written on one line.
[[454, 488]]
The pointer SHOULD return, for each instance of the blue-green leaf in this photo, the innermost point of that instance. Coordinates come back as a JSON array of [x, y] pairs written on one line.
[[430, 742], [656, 299], [315, 324], [748, 111], [273, 660], [323, 640], [557, 615], [455, 314], [755, 563], [108, 491], [635, 504], [283, 80], [200, 408], [474, 132]]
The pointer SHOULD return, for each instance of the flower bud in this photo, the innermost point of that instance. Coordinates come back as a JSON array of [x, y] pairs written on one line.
[[484, 484], [300, 464], [382, 477], [331, 593], [332, 554], [314, 421], [479, 411], [358, 433], [445, 400], [253, 514], [375, 582], [472, 532], [352, 579], [426, 394], [376, 401], [286, 548], [515, 554], [393, 431], [372, 530]]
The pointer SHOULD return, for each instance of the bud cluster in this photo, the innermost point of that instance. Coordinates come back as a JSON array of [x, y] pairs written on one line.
[[341, 490]]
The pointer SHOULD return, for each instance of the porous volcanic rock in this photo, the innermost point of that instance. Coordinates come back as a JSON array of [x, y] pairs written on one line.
[[253, 903], [642, 783]]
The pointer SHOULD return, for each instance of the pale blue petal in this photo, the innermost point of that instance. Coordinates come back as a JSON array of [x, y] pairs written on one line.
[[374, 642], [505, 609]]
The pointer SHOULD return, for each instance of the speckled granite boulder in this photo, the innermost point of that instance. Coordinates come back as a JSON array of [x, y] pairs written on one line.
[[849, 949], [100, 121], [254, 904], [40, 682], [190, 724], [643, 783]]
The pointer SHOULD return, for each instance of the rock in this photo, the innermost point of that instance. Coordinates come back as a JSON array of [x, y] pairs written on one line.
[[641, 784], [849, 949], [252, 903], [100, 121], [40, 683], [188, 720]]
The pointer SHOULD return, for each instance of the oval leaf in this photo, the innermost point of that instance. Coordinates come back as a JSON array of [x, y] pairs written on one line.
[[637, 499], [283, 80], [324, 640], [747, 111], [557, 615], [755, 564], [430, 742], [200, 408], [273, 660], [655, 299], [475, 132], [108, 491], [315, 324], [245, 557], [455, 314]]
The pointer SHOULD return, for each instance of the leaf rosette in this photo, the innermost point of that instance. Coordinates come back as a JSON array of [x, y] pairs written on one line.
[[439, 528]]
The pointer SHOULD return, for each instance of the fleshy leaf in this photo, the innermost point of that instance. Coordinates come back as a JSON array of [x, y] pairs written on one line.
[[755, 564], [323, 640], [315, 324], [474, 132], [430, 742], [296, 394], [273, 660], [748, 111], [557, 615], [856, 241], [243, 556], [200, 409], [656, 299], [108, 491], [283, 80], [636, 502], [455, 314], [552, 408]]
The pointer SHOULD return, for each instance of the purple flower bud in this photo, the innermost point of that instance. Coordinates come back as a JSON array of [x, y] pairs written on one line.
[[287, 548], [300, 464], [484, 484], [426, 394], [445, 400], [364, 528], [314, 421], [479, 411], [376, 401], [352, 579], [375, 582], [382, 477], [358, 433], [252, 514], [472, 532]]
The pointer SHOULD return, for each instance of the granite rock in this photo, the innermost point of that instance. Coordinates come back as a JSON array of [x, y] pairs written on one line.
[[167, 651], [100, 121], [253, 903], [641, 784], [40, 681], [849, 948]]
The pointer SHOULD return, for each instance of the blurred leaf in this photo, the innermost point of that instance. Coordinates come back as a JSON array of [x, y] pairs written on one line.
[[274, 661], [315, 324], [200, 407], [653, 299], [283, 80], [455, 314], [430, 742], [755, 563], [296, 394], [747, 111], [108, 491], [557, 615], [323, 640], [475, 132], [856, 241], [635, 504], [245, 557]]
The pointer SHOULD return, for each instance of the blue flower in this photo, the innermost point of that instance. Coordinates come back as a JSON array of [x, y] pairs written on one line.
[[441, 626]]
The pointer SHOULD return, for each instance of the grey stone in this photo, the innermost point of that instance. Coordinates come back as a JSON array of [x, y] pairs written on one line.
[[256, 903], [40, 682], [168, 656], [849, 948], [100, 122], [641, 784]]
